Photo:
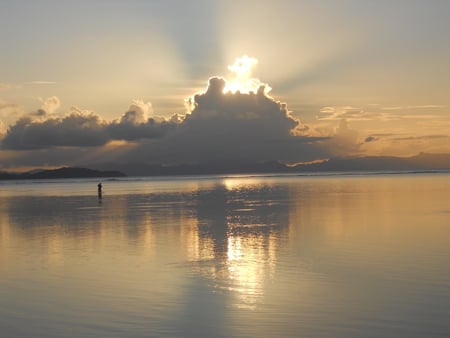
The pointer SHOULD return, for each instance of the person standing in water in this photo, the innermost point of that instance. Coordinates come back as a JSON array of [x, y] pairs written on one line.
[[99, 188]]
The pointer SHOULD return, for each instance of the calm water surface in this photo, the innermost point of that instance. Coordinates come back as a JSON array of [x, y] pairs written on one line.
[[338, 256]]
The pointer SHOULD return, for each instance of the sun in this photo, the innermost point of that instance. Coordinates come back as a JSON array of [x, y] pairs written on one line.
[[242, 66], [240, 79]]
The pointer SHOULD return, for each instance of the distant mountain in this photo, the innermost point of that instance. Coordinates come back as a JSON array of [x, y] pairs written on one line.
[[64, 172], [421, 162], [216, 168]]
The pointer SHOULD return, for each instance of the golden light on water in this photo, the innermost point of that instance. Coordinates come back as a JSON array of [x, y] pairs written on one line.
[[246, 269], [236, 183]]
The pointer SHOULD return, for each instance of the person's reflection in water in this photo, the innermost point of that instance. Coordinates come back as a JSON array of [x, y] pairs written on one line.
[[99, 189], [212, 217]]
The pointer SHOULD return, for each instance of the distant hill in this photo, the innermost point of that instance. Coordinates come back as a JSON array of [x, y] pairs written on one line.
[[64, 172], [216, 168], [421, 162]]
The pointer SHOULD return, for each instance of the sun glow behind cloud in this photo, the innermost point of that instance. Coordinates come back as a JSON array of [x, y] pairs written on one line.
[[238, 81], [241, 80]]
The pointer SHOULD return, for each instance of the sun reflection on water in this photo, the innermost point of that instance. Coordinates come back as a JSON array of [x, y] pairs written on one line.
[[247, 265], [236, 239]]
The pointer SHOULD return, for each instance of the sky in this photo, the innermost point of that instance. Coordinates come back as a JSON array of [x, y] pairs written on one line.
[[172, 82]]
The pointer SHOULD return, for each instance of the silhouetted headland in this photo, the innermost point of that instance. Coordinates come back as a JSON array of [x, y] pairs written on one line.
[[64, 172]]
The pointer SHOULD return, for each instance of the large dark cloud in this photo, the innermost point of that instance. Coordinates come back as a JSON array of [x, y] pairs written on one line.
[[244, 111], [82, 129], [250, 127], [78, 130], [233, 127]]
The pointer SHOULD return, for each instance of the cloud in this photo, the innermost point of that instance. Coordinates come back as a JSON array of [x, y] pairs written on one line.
[[370, 139], [396, 137], [429, 106], [225, 126], [377, 112], [49, 106], [39, 83], [77, 129], [137, 112], [337, 113], [5, 105], [254, 110], [221, 125], [422, 137], [2, 128], [135, 124], [40, 129], [345, 140], [8, 110]]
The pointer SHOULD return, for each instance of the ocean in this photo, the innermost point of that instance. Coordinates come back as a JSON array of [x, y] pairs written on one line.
[[356, 255]]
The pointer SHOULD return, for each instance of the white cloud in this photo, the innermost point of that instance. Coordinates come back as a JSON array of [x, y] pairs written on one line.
[[50, 105], [39, 83], [138, 112]]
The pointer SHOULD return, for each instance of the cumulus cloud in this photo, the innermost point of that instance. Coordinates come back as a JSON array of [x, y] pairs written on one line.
[[137, 112], [78, 128], [234, 126], [344, 141], [8, 112], [82, 128], [50, 105], [241, 122], [135, 124], [254, 110]]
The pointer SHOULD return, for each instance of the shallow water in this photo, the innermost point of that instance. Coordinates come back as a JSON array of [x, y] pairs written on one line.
[[337, 256]]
